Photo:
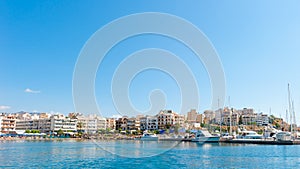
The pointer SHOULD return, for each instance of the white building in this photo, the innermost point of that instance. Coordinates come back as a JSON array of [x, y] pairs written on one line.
[[61, 122], [91, 123], [262, 119], [148, 123], [7, 123]]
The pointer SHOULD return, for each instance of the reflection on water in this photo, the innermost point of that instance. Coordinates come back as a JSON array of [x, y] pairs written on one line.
[[87, 154]]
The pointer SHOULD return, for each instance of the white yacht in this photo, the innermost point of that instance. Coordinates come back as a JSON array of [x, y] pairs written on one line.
[[149, 137], [284, 136], [205, 136], [249, 135]]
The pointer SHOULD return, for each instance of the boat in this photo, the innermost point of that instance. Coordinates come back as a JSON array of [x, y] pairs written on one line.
[[249, 135], [149, 137], [284, 136], [226, 136], [204, 136]]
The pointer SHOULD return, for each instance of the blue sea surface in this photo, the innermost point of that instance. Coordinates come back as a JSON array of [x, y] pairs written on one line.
[[137, 154]]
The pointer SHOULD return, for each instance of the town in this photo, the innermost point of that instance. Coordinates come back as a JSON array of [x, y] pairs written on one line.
[[224, 120]]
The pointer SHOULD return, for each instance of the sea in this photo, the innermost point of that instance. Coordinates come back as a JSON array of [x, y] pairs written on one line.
[[145, 154]]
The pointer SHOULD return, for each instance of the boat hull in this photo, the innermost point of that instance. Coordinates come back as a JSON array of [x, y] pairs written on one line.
[[149, 139], [206, 139]]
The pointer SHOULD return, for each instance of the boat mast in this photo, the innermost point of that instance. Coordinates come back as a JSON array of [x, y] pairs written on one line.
[[230, 114], [294, 119], [290, 107], [221, 116], [287, 116]]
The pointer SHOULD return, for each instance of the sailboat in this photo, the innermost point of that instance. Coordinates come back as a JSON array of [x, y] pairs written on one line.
[[289, 136]]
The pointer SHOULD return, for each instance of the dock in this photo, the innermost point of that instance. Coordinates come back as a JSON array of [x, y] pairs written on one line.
[[259, 141]]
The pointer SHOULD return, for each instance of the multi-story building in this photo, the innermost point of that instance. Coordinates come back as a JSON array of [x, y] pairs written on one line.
[[101, 123], [61, 122], [209, 116], [199, 118], [131, 124], [33, 121], [90, 124], [262, 119], [26, 125], [111, 123], [7, 123], [248, 119], [234, 119], [44, 124], [121, 123], [192, 116], [247, 111], [148, 123], [168, 118]]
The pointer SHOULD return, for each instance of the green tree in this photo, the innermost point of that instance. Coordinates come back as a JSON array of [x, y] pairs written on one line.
[[80, 125], [60, 132], [156, 132]]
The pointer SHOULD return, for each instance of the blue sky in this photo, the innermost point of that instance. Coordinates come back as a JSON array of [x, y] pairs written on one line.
[[257, 42]]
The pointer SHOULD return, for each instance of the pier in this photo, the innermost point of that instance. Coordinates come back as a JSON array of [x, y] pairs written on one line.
[[259, 141]]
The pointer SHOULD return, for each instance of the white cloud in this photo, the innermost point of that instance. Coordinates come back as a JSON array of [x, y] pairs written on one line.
[[31, 91], [4, 107]]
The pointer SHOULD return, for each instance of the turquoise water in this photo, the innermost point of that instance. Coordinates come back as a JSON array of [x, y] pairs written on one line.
[[110, 154]]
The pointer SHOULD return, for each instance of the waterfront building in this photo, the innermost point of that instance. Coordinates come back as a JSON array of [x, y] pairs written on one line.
[[111, 123], [7, 123], [192, 116], [209, 116], [234, 119], [90, 124], [121, 123], [262, 119], [44, 124], [132, 124], [168, 118], [248, 119], [61, 122], [138, 123], [199, 118], [148, 123], [33, 121], [26, 124]]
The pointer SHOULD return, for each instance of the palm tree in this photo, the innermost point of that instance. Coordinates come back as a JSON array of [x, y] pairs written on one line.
[[80, 125]]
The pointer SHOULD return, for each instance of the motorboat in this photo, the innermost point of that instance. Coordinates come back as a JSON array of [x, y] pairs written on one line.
[[226, 136], [205, 137], [249, 135], [284, 136], [149, 137]]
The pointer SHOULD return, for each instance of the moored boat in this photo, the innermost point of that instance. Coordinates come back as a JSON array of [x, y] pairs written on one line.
[[204, 136], [149, 137], [249, 135]]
